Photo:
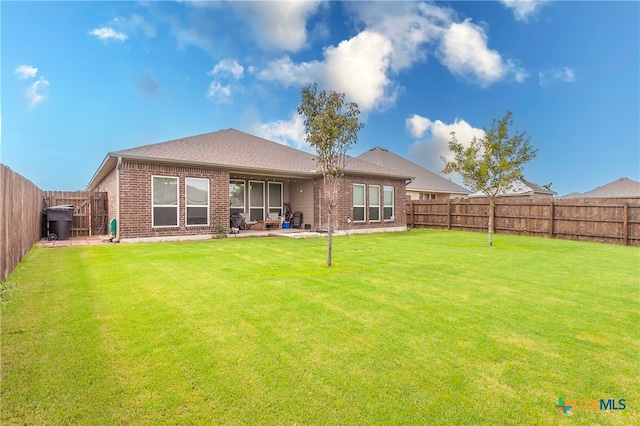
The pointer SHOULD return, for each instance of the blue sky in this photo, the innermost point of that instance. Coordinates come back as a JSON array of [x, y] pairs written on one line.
[[81, 79]]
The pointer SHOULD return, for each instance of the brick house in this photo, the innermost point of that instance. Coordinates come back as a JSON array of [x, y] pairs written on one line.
[[188, 188], [426, 184]]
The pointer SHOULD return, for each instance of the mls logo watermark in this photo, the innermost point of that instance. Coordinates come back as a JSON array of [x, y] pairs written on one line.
[[584, 404]]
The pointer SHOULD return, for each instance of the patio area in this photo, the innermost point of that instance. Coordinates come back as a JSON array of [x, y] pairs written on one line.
[[76, 241]]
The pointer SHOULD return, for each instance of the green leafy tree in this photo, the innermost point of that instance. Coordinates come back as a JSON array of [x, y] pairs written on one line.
[[332, 128], [490, 164]]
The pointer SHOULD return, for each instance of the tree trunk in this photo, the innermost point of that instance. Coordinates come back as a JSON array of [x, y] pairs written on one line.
[[492, 207], [330, 232]]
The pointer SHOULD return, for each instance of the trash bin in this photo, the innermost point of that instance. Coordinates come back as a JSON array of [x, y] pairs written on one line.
[[59, 219]]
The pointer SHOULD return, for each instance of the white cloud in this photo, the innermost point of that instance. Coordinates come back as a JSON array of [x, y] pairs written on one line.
[[437, 134], [106, 33], [565, 75], [279, 25], [219, 93], [228, 66], [357, 67], [408, 26], [26, 71], [33, 95], [465, 52], [523, 9], [417, 125], [287, 132]]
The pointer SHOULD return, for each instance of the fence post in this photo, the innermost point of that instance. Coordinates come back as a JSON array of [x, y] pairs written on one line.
[[412, 219], [449, 214], [551, 212], [625, 224]]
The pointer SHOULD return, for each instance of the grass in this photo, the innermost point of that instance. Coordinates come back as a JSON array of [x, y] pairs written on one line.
[[423, 327]]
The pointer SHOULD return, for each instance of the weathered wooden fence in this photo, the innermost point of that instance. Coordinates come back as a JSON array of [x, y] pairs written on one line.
[[607, 220], [20, 218], [89, 210]]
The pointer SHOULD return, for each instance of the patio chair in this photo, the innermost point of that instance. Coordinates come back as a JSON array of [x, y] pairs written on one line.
[[247, 223], [296, 220]]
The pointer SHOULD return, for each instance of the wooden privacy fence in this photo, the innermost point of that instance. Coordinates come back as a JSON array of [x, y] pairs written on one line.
[[89, 210], [607, 220], [20, 218]]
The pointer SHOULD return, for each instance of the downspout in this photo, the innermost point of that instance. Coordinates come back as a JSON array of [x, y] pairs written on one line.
[[118, 167]]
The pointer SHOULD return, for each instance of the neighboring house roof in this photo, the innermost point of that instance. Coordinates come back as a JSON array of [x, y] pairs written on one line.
[[518, 188], [620, 188], [424, 180], [234, 150]]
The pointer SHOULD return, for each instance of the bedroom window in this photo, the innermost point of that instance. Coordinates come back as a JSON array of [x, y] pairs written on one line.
[[358, 202], [374, 203], [164, 199], [388, 203], [197, 200]]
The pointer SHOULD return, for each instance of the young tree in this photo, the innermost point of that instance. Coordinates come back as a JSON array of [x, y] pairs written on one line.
[[332, 128], [492, 163]]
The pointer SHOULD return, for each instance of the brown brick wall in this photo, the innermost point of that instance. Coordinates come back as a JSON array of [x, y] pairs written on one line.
[[135, 200], [344, 209], [108, 185]]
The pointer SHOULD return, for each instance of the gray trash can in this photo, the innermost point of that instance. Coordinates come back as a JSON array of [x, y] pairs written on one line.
[[59, 219]]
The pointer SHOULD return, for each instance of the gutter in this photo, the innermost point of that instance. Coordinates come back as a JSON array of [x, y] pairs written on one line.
[[118, 167]]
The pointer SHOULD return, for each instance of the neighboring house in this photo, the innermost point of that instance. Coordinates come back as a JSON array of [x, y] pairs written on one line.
[[620, 188], [188, 188], [522, 188], [425, 185]]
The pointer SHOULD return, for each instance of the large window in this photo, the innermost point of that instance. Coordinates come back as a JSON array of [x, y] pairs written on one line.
[[275, 197], [197, 201], [256, 200], [236, 196], [358, 202], [164, 196], [388, 203], [374, 203]]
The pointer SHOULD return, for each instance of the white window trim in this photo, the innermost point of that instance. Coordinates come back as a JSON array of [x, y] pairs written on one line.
[[186, 201], [249, 207], [369, 204], [364, 205], [244, 198], [177, 206], [393, 207], [269, 206]]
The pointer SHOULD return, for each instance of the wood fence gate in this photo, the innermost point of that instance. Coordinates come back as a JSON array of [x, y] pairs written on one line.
[[89, 210]]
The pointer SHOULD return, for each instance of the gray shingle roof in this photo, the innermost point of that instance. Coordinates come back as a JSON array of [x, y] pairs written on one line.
[[619, 188], [238, 151], [520, 186], [424, 180]]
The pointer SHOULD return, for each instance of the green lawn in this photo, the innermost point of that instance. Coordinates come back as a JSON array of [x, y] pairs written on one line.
[[421, 327]]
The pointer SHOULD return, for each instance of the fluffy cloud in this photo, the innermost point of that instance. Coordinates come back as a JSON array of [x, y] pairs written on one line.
[[433, 138], [523, 9], [565, 75], [287, 132], [357, 67], [279, 25], [33, 93], [26, 71], [465, 52], [106, 34], [228, 67]]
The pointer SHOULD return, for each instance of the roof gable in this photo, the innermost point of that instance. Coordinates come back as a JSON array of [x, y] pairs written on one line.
[[238, 151], [619, 188], [424, 179]]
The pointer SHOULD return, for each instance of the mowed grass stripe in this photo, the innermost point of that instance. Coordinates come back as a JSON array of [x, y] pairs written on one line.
[[411, 328]]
